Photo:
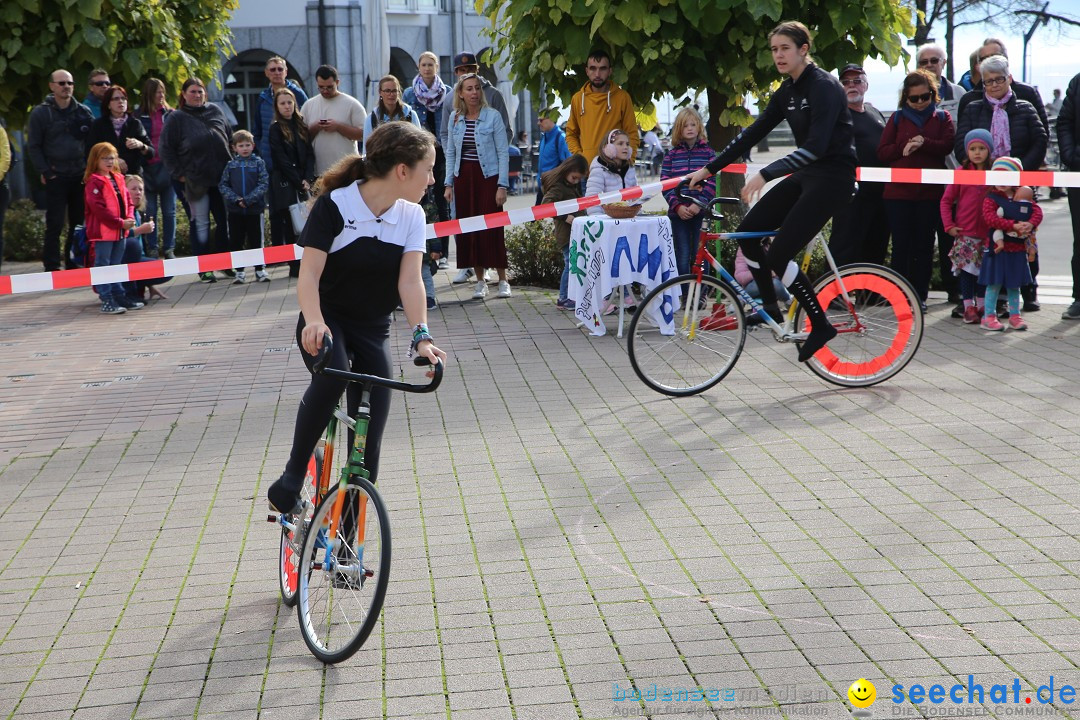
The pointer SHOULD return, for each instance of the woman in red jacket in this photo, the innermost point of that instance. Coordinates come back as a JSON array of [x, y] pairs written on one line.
[[109, 215], [918, 135]]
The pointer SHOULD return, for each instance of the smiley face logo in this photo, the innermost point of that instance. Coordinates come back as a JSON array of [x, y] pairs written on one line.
[[862, 693]]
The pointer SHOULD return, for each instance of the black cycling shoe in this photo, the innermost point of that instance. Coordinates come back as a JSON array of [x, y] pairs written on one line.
[[819, 336], [284, 495]]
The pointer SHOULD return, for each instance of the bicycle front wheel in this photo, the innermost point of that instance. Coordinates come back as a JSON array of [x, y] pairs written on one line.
[[880, 338], [686, 335], [343, 579]]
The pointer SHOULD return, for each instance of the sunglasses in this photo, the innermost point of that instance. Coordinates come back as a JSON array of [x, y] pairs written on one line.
[[848, 82], [63, 83], [920, 98], [929, 61], [102, 83]]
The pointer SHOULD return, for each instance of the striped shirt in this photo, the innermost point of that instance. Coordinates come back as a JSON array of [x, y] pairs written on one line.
[[468, 143]]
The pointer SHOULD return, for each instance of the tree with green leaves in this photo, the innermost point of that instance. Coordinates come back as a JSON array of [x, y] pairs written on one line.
[[681, 46], [132, 39]]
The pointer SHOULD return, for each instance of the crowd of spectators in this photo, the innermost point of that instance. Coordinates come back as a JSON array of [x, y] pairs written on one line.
[[181, 154]]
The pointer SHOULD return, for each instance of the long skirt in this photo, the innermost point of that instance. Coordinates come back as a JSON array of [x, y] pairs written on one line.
[[474, 194]]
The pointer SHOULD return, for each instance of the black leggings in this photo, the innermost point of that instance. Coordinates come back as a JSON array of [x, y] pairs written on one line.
[[799, 205], [370, 353]]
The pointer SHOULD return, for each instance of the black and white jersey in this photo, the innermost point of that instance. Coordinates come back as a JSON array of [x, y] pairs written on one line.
[[359, 284], [815, 106]]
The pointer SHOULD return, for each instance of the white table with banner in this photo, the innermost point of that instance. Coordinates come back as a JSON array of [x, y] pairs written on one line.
[[606, 254]]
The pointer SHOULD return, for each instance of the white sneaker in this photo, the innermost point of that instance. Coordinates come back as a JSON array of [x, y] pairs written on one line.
[[463, 276], [504, 289], [481, 291], [487, 276], [261, 276], [444, 263], [239, 279]]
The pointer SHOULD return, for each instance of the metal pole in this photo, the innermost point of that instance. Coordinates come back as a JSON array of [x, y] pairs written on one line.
[[1027, 37]]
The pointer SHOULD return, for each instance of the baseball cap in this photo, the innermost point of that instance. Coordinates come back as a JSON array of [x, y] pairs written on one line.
[[462, 59], [851, 67]]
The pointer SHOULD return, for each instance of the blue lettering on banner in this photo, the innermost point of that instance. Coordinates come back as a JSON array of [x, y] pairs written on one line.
[[652, 260]]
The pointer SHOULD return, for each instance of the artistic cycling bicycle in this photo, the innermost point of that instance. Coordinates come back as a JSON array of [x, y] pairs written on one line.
[[334, 558], [688, 332]]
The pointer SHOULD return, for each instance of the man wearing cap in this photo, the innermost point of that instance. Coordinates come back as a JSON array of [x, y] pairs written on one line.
[[467, 64], [598, 108], [860, 229], [553, 149]]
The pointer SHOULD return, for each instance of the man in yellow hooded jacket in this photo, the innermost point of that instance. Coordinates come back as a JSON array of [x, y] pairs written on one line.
[[598, 108]]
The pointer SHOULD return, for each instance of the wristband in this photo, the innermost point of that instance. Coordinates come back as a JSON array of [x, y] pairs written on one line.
[[420, 329], [417, 339]]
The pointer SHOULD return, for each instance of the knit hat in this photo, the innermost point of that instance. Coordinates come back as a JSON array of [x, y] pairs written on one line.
[[1007, 163], [979, 135]]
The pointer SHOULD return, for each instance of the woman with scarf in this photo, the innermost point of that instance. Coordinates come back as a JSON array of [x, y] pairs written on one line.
[[425, 96], [918, 135], [1015, 128]]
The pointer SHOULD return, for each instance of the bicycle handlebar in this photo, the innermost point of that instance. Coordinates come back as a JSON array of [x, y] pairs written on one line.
[[323, 358], [680, 191]]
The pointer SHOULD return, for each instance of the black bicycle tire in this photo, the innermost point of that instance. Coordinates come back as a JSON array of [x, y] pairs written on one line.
[[382, 580], [918, 326], [736, 310]]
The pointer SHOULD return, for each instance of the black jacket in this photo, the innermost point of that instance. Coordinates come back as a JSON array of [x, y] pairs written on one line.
[[293, 162], [194, 144], [102, 131], [57, 138], [1020, 90], [816, 108], [1068, 126], [1027, 136]]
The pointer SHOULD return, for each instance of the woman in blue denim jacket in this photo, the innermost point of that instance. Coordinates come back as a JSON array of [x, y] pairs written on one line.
[[477, 172]]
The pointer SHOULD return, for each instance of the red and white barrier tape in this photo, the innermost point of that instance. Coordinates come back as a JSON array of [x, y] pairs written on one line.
[[63, 279]]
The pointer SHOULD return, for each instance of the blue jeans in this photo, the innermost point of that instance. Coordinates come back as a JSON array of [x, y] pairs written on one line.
[[201, 209], [564, 281], [160, 193], [781, 291], [133, 253], [109, 253], [425, 274], [685, 234]]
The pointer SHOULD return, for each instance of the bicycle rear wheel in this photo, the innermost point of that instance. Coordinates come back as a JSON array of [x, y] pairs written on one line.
[[343, 582], [686, 335], [289, 551], [882, 337]]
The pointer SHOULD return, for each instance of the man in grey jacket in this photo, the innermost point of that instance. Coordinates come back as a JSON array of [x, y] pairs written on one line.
[[58, 129]]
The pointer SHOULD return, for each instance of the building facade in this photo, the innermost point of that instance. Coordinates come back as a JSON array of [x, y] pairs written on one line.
[[363, 39]]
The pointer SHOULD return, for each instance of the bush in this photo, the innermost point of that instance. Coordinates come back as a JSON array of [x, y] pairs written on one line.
[[24, 232], [532, 254]]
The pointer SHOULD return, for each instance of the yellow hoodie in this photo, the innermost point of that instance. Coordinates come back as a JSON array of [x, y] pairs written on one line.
[[594, 114]]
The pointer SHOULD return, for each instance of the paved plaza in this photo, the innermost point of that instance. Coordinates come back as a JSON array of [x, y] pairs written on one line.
[[564, 539]]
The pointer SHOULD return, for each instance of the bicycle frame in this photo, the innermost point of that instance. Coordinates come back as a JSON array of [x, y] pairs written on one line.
[[353, 467], [785, 332]]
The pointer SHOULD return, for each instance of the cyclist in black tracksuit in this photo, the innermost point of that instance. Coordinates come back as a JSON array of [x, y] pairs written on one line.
[[820, 175]]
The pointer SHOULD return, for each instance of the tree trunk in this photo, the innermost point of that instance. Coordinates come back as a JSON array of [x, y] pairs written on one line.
[[728, 184]]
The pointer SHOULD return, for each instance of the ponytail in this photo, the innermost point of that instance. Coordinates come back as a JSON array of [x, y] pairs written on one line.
[[392, 144]]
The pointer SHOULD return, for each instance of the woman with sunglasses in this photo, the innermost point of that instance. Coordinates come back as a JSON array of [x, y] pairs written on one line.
[[820, 175], [918, 135]]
